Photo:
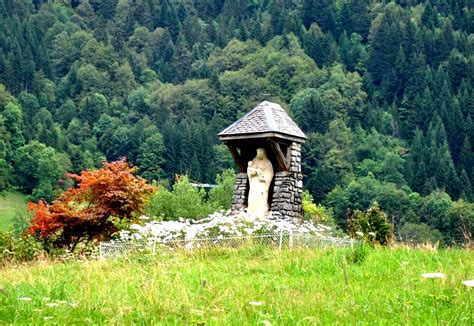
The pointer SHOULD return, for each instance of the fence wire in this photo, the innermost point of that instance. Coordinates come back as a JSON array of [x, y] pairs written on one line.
[[279, 241]]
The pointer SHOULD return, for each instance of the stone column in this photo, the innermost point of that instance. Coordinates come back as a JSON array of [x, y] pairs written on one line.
[[288, 189], [239, 201]]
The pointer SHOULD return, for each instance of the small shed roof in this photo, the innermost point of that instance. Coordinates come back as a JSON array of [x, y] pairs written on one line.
[[266, 120]]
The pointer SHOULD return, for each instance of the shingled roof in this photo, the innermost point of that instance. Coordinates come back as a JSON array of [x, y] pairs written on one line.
[[267, 119]]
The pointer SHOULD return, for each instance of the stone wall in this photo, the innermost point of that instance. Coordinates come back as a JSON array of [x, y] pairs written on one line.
[[239, 201], [288, 189]]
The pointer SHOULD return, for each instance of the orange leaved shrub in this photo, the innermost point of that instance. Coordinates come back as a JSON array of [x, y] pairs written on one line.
[[85, 212]]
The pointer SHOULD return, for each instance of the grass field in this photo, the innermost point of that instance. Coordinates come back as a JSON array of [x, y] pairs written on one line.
[[254, 286], [10, 203]]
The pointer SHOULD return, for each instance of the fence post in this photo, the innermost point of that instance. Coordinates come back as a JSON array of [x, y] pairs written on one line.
[[290, 240], [280, 242]]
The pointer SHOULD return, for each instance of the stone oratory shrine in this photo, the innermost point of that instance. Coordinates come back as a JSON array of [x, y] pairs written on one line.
[[266, 146]]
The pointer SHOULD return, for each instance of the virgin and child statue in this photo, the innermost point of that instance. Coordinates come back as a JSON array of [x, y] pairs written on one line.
[[260, 173]]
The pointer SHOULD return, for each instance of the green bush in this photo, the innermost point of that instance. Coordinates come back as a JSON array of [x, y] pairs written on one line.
[[183, 200], [316, 213], [419, 233], [22, 248], [187, 201], [372, 225], [220, 197], [21, 221]]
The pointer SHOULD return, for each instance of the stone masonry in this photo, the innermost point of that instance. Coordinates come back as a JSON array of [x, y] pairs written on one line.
[[239, 201], [288, 188]]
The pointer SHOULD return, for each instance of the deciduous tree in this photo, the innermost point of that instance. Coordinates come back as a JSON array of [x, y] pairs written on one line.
[[87, 211]]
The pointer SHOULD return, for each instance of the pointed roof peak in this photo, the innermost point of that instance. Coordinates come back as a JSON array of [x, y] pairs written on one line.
[[266, 119]]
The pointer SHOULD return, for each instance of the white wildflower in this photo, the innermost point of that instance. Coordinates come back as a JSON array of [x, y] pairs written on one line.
[[468, 283], [25, 299], [433, 275], [256, 303]]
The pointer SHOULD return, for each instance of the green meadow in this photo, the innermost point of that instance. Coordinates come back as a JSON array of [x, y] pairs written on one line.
[[257, 286], [10, 204]]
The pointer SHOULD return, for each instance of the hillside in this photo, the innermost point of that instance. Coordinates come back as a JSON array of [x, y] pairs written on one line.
[[382, 89], [11, 203]]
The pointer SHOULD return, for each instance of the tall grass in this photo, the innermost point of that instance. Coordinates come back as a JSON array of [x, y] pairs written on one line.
[[243, 286]]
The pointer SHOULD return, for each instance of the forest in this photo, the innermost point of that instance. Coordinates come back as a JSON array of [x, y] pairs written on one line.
[[382, 89]]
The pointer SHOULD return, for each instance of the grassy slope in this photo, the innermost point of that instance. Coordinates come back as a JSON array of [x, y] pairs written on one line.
[[10, 202], [295, 287]]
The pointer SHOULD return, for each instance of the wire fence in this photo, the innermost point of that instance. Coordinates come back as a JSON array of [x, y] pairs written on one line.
[[276, 241]]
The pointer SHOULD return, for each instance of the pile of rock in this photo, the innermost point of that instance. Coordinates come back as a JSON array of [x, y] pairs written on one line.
[[219, 224]]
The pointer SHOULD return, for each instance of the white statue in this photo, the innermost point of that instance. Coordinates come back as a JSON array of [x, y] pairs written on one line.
[[260, 173]]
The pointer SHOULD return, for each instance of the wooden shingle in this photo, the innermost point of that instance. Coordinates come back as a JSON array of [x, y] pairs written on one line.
[[266, 120]]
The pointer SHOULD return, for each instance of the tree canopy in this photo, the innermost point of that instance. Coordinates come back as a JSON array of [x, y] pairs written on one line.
[[383, 90]]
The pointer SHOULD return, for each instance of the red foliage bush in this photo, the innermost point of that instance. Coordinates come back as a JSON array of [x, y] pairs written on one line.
[[85, 212]]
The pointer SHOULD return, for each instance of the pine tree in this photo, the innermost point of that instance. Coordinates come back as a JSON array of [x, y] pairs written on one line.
[[150, 158], [466, 157], [466, 187], [416, 169], [181, 60], [355, 17], [428, 18], [322, 12], [384, 41]]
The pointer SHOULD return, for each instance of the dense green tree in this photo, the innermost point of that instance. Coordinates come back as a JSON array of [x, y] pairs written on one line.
[[5, 167], [355, 17], [321, 12], [92, 106], [384, 91], [321, 47], [150, 158], [39, 170], [310, 111], [384, 42]]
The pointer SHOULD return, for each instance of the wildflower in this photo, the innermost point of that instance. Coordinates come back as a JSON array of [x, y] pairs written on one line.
[[47, 317], [52, 304], [266, 323], [468, 283], [433, 275], [360, 234], [404, 263], [256, 303], [25, 299], [372, 234]]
